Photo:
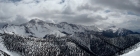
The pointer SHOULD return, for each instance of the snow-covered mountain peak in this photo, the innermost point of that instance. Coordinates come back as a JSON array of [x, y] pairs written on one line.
[[113, 31], [63, 23], [40, 28], [36, 21], [112, 28]]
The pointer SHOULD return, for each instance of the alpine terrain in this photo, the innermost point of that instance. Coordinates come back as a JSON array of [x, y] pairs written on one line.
[[40, 38]]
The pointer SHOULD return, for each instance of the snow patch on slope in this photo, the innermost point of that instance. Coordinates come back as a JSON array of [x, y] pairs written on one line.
[[134, 52]]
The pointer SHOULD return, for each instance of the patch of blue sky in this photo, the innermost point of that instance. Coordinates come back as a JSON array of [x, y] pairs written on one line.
[[107, 11], [132, 13]]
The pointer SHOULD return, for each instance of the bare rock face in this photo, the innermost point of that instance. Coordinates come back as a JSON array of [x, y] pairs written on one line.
[[3, 53]]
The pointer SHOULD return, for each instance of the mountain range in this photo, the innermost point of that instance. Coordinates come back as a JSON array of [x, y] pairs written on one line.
[[40, 38]]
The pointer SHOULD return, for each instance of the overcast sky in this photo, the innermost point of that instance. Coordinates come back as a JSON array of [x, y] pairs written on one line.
[[102, 13]]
